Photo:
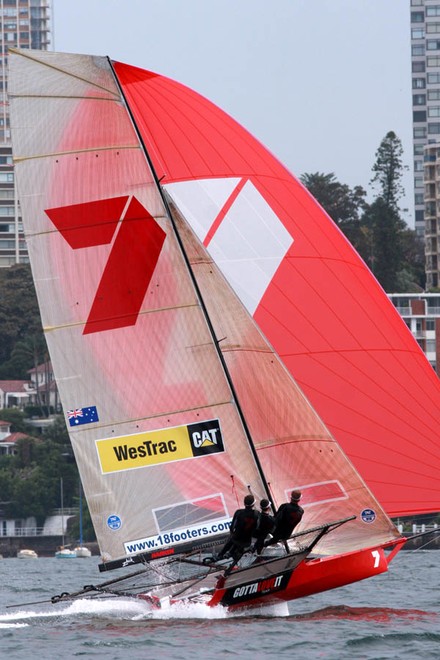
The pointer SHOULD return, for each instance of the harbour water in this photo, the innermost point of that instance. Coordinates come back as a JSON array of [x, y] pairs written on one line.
[[395, 615]]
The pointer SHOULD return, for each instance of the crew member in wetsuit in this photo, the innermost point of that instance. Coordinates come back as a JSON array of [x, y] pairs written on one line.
[[286, 519], [265, 526], [242, 530]]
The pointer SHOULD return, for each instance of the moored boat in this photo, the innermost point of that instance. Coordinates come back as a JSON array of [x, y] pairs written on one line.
[[27, 553], [65, 553]]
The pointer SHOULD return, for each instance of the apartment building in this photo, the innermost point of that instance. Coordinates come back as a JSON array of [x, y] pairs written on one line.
[[421, 313], [26, 24]]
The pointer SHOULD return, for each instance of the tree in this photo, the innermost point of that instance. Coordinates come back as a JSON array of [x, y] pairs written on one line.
[[388, 169], [19, 322], [17, 420], [412, 276], [392, 250], [30, 480], [342, 203], [385, 257]]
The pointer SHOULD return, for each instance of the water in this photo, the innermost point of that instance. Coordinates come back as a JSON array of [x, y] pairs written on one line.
[[396, 615]]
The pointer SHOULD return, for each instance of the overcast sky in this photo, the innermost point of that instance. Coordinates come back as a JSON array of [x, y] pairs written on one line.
[[319, 82]]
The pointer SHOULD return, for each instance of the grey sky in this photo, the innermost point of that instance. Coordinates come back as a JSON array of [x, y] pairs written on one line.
[[319, 82]]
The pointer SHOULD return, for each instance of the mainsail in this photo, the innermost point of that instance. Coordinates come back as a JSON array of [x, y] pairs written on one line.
[[176, 403]]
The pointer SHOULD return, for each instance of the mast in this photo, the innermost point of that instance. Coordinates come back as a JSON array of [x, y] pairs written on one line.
[[197, 290], [62, 510], [80, 516]]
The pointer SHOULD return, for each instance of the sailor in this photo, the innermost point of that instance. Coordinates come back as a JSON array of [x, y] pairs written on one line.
[[243, 526], [287, 518], [265, 526]]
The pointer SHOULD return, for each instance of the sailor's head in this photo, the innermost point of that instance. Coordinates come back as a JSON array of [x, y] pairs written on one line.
[[295, 496], [249, 501], [264, 505]]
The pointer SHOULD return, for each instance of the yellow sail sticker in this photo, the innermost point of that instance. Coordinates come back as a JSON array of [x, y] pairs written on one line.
[[161, 446]]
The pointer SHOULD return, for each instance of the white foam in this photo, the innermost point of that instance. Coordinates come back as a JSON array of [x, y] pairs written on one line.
[[133, 609]]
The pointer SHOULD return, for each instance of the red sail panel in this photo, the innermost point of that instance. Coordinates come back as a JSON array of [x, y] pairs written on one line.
[[312, 296]]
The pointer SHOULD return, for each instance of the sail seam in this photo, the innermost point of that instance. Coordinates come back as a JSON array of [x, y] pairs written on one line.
[[27, 56], [49, 328], [156, 416], [20, 159]]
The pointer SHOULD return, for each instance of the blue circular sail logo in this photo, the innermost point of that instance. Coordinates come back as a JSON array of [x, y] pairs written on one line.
[[368, 515], [114, 522]]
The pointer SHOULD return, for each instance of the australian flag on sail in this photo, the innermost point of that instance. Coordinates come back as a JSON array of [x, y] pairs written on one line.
[[79, 416]]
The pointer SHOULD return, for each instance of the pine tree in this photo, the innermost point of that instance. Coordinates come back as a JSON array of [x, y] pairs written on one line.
[[388, 169]]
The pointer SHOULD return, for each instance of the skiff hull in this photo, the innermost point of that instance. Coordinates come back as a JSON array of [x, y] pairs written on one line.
[[297, 577]]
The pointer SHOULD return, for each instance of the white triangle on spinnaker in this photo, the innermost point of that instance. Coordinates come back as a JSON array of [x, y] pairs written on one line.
[[250, 241]]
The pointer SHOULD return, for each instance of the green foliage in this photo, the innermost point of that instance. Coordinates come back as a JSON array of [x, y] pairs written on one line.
[[17, 420], [388, 169], [30, 480], [23, 344], [342, 203], [386, 254]]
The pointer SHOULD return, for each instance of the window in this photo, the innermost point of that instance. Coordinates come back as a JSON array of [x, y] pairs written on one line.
[[419, 17], [433, 78], [432, 28], [430, 345], [433, 44], [434, 111], [419, 83], [419, 67], [5, 160], [434, 60], [418, 166], [418, 116], [434, 95], [418, 150], [6, 210], [434, 128], [418, 199], [419, 99], [417, 50], [7, 244], [6, 177], [419, 132], [418, 182], [430, 324], [430, 11], [417, 33], [416, 3]]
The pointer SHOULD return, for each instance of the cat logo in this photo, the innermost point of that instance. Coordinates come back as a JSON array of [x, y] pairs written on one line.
[[206, 437]]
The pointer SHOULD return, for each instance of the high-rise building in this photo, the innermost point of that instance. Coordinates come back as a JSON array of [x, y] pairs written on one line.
[[421, 313], [25, 24]]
